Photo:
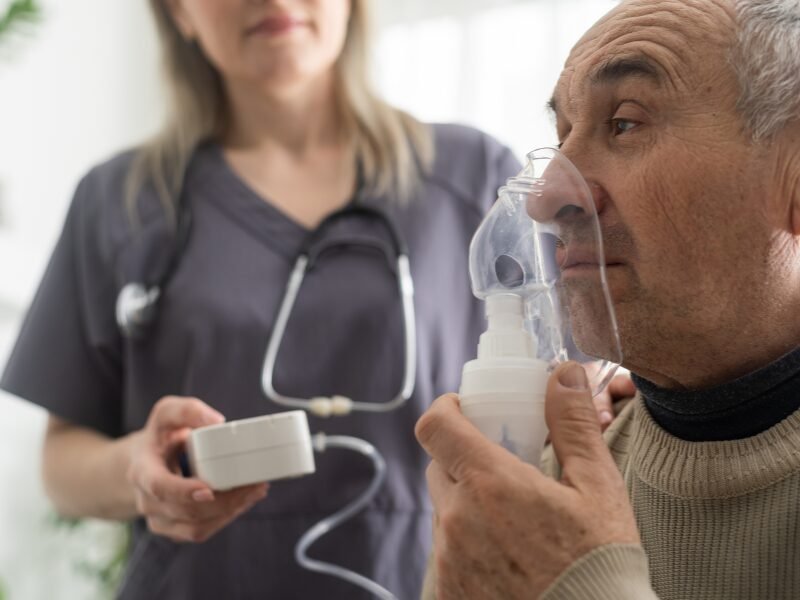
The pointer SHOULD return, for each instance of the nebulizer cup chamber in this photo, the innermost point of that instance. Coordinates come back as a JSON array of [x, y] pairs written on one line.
[[537, 261]]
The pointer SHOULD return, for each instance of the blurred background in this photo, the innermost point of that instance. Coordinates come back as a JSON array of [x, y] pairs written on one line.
[[79, 81]]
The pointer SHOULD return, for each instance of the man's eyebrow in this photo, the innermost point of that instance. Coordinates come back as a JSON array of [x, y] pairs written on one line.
[[617, 69], [552, 106]]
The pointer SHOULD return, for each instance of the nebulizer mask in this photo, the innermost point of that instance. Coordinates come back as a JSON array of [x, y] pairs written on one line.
[[537, 262]]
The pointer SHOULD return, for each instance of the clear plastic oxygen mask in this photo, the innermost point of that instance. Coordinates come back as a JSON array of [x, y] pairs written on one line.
[[537, 261]]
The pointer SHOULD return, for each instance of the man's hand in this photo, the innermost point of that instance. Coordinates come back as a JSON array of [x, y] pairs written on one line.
[[505, 530], [182, 509], [619, 388]]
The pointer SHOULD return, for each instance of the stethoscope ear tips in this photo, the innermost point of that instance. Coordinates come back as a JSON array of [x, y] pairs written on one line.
[[136, 309]]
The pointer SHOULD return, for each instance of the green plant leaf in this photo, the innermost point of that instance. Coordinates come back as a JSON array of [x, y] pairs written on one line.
[[59, 522], [105, 571], [18, 15]]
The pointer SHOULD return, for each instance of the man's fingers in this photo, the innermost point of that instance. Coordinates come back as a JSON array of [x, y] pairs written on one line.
[[604, 407], [621, 387], [574, 427], [452, 441], [173, 412], [440, 485]]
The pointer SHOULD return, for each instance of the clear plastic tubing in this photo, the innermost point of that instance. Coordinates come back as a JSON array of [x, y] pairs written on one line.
[[322, 442]]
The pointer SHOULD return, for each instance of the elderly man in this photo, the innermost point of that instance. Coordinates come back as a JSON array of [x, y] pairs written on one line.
[[684, 117]]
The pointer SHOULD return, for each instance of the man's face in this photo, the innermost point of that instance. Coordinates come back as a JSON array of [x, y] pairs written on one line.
[[645, 108]]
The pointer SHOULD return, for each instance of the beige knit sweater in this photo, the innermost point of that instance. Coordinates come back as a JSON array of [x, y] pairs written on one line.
[[718, 520]]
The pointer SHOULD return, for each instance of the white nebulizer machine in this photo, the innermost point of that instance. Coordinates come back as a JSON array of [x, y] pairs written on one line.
[[253, 450], [280, 446], [537, 262]]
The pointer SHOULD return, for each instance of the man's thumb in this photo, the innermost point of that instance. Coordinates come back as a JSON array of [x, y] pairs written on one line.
[[574, 426]]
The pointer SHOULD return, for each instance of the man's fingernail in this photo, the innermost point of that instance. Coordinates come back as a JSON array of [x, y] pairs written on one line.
[[573, 377], [203, 496], [606, 417]]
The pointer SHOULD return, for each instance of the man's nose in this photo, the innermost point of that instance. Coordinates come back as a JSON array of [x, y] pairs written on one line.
[[562, 194]]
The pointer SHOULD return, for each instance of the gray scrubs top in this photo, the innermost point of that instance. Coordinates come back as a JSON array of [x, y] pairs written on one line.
[[344, 337]]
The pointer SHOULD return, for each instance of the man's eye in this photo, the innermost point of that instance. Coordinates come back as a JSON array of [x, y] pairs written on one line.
[[619, 126]]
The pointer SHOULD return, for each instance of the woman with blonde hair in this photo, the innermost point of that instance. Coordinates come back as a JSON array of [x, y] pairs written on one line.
[[274, 127]]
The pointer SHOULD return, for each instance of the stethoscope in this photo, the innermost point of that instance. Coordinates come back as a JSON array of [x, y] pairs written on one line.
[[305, 262], [137, 303]]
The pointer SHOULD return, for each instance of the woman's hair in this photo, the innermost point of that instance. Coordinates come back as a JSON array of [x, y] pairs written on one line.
[[392, 147]]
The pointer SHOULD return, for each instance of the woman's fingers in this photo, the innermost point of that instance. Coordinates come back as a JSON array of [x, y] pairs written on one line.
[[174, 506], [161, 491], [197, 522], [196, 531], [175, 412], [151, 475]]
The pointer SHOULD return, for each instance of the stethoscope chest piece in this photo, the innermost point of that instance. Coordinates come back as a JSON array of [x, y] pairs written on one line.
[[136, 309]]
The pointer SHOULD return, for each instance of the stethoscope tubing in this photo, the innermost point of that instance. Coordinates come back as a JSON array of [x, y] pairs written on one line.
[[405, 285]]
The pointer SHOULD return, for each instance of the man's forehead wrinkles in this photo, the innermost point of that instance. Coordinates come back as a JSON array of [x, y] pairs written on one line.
[[625, 57], [665, 45], [668, 32], [659, 38], [673, 29], [695, 19]]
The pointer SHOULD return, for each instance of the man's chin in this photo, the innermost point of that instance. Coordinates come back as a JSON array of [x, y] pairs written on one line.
[[592, 320]]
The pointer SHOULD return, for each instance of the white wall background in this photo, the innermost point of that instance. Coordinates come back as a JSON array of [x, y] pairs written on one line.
[[85, 85]]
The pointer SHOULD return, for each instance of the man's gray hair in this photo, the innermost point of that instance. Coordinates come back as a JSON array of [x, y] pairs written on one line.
[[766, 59]]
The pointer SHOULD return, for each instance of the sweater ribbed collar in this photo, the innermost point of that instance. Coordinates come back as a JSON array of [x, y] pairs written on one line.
[[735, 410], [718, 469], [712, 469]]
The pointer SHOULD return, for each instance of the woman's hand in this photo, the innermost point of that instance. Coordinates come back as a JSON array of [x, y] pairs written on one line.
[[619, 388], [182, 509]]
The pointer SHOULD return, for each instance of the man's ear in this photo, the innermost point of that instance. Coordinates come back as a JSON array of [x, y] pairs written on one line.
[[787, 155], [793, 187], [181, 18]]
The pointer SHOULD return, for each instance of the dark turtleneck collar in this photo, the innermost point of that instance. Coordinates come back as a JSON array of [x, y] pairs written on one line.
[[735, 410]]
